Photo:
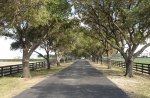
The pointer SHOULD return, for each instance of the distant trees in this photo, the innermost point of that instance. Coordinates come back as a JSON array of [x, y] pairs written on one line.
[[123, 24], [87, 47], [66, 40]]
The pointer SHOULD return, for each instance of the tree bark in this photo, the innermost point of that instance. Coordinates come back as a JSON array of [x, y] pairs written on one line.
[[108, 60], [93, 58], [101, 59], [58, 60], [108, 63], [65, 59], [58, 57], [129, 67], [97, 59], [48, 61], [25, 62]]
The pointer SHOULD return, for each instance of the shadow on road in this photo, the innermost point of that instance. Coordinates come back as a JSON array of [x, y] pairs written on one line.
[[80, 80]]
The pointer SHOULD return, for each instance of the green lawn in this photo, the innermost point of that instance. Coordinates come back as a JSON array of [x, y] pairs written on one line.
[[13, 85], [137, 60]]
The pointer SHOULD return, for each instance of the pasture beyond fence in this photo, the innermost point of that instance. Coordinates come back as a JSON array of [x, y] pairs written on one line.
[[13, 69], [138, 67]]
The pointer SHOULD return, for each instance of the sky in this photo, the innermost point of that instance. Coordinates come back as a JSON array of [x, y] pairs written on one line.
[[6, 53]]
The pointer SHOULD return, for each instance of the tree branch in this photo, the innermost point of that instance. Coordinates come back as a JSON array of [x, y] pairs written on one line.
[[40, 54], [141, 50]]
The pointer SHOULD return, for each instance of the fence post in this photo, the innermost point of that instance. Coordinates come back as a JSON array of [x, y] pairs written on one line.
[[136, 66], [2, 71], [123, 64], [18, 68], [42, 64], [10, 70], [33, 66], [149, 69], [142, 68], [36, 65]]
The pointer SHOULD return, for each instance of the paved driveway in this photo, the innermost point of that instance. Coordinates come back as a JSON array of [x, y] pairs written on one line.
[[80, 80]]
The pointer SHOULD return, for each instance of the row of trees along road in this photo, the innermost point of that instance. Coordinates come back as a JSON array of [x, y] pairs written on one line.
[[113, 23], [88, 47], [121, 23], [62, 44], [31, 22]]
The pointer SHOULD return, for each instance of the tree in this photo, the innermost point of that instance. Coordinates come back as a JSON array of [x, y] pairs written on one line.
[[60, 11], [120, 23], [34, 20], [33, 11], [47, 46], [25, 40], [64, 43]]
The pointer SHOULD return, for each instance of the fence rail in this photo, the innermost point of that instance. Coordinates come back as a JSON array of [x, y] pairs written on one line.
[[12, 69], [138, 67]]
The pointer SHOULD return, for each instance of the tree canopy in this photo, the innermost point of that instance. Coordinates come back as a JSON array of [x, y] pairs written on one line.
[[119, 24], [123, 24]]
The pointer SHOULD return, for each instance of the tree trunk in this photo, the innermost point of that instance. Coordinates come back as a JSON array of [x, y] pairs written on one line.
[[25, 62], [64, 59], [58, 61], [108, 60], [58, 57], [101, 58], [48, 61], [129, 67], [93, 58], [97, 59], [108, 63]]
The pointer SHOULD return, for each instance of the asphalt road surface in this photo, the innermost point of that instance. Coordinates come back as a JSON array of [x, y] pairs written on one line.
[[80, 80]]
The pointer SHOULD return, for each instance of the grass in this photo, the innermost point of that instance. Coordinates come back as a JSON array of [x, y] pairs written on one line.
[[137, 60], [136, 87], [13, 85]]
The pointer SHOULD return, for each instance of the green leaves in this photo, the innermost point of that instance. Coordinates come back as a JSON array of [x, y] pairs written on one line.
[[15, 45]]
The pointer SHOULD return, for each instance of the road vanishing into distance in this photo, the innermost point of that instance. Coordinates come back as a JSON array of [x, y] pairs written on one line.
[[80, 80]]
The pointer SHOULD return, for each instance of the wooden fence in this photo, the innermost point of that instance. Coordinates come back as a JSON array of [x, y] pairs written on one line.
[[12, 69], [138, 67]]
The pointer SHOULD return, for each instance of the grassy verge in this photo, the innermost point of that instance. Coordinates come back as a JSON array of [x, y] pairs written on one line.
[[137, 60], [11, 86], [136, 87]]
